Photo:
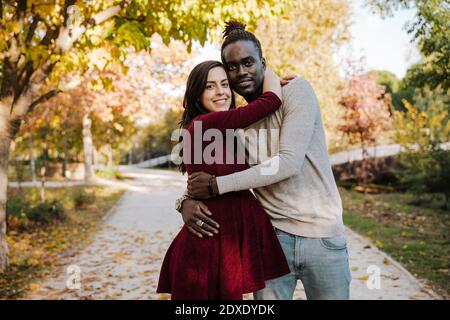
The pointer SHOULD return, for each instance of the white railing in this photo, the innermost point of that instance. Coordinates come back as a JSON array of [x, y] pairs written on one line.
[[336, 158]]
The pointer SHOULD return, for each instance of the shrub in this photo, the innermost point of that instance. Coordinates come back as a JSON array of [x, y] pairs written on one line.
[[425, 165], [16, 206], [83, 199], [47, 212], [17, 209]]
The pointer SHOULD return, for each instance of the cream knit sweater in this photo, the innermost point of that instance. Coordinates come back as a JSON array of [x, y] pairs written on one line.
[[291, 173]]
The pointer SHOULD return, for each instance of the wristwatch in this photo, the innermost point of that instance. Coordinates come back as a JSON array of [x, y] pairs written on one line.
[[179, 202]]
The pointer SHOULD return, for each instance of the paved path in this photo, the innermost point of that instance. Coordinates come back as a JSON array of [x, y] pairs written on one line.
[[124, 257]]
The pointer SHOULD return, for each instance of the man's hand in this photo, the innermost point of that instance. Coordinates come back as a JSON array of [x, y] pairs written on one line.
[[198, 185], [196, 220], [286, 79]]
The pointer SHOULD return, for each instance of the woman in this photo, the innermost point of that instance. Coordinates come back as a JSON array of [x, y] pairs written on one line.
[[246, 251]]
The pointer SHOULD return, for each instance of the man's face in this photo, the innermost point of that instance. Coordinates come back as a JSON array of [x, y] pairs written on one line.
[[244, 67]]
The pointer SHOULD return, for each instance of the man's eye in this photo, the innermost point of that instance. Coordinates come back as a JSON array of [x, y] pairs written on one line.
[[231, 67], [249, 63]]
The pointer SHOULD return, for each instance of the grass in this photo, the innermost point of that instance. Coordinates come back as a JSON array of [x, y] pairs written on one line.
[[107, 173], [35, 251], [416, 236], [25, 174], [110, 174]]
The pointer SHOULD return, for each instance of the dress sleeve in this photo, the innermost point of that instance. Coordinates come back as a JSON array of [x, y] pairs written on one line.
[[241, 117]]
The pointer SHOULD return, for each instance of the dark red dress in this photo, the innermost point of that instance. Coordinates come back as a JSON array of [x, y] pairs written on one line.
[[246, 251]]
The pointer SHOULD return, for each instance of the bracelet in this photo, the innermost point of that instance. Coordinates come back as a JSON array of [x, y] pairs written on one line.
[[210, 189]]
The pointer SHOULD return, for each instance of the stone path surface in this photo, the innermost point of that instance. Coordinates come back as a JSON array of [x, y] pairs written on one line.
[[124, 257]]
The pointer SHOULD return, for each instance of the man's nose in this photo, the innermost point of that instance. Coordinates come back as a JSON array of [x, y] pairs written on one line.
[[242, 70]]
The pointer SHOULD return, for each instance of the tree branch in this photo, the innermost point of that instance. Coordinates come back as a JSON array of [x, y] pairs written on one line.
[[68, 36], [21, 9], [45, 97], [24, 76], [67, 4], [32, 30], [51, 34], [9, 79]]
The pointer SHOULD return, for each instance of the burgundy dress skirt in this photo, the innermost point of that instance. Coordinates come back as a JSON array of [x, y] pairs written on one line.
[[237, 260]]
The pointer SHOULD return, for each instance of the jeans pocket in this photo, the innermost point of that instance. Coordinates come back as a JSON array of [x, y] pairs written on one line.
[[334, 243]]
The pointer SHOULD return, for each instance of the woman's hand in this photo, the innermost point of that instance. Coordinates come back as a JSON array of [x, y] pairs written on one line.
[[272, 82], [286, 79]]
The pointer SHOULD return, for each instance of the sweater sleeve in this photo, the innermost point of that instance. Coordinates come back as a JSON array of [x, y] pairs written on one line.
[[241, 117], [299, 116]]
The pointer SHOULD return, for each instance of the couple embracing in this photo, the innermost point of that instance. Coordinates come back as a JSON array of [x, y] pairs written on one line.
[[289, 227]]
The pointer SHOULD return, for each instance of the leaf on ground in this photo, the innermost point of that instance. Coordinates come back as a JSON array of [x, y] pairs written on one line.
[[34, 286], [379, 244]]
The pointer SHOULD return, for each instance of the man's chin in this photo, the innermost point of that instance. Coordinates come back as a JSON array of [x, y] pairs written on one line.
[[245, 91]]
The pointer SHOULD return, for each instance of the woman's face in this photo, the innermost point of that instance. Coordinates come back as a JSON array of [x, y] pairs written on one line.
[[217, 93]]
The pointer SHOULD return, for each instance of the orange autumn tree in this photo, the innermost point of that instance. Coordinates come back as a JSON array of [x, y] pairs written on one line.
[[366, 106], [40, 41]]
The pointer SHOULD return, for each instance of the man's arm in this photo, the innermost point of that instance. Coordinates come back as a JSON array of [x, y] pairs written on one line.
[[300, 113], [192, 212]]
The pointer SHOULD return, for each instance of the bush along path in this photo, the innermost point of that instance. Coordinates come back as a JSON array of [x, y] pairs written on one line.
[[124, 258], [42, 234]]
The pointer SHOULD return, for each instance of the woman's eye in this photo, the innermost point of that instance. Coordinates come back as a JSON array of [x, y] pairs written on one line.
[[225, 85], [209, 86]]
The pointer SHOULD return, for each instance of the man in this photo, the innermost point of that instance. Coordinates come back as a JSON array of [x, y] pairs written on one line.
[[294, 181]]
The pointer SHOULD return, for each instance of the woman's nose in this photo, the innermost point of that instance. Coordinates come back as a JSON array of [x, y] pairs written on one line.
[[219, 91]]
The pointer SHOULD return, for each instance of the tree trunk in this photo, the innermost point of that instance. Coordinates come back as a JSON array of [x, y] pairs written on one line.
[[32, 162], [5, 143], [110, 157], [130, 157], [88, 150], [66, 153], [44, 168]]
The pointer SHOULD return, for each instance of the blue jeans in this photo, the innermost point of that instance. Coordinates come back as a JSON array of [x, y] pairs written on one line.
[[320, 263]]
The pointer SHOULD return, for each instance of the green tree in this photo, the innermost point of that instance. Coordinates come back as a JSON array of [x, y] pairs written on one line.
[[430, 29], [392, 84], [40, 41]]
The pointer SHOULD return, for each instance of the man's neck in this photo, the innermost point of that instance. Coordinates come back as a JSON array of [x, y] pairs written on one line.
[[254, 96]]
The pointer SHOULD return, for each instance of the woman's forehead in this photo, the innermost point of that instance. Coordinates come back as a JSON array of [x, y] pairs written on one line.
[[217, 74]]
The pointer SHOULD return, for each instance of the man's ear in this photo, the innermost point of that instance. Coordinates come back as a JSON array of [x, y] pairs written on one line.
[[263, 61]]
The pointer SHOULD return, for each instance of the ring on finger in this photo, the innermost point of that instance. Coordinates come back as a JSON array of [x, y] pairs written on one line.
[[199, 223]]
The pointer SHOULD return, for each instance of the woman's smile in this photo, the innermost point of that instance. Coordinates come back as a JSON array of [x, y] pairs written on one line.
[[217, 93]]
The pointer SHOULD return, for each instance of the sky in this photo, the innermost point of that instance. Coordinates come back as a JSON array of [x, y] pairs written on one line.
[[384, 44]]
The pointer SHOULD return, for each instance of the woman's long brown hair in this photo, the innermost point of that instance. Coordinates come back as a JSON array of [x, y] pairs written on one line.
[[195, 87]]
